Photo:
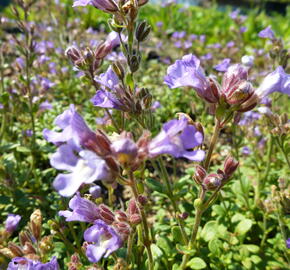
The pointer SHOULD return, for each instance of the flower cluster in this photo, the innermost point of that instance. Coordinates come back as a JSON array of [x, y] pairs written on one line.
[[236, 91], [89, 156], [109, 230]]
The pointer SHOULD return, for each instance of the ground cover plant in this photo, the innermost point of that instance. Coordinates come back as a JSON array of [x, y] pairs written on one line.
[[142, 136]]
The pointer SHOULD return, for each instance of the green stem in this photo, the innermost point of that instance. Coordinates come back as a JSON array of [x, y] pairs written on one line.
[[129, 249], [191, 244], [284, 234], [172, 199], [261, 182], [281, 147], [147, 242], [212, 144]]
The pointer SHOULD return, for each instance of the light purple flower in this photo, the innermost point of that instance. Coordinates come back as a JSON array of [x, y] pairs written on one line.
[[188, 72], [74, 154], [81, 3], [105, 5], [248, 60], [288, 243], [246, 151], [243, 29], [267, 33], [104, 98], [105, 241], [82, 210], [12, 222], [83, 167], [223, 66], [249, 117], [277, 81], [156, 105], [22, 263], [95, 191], [177, 138], [45, 105]]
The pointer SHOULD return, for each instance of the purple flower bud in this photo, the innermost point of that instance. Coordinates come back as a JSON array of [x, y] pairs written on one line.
[[267, 33], [95, 191], [212, 182], [246, 151], [12, 222], [230, 166], [106, 214], [200, 174], [288, 243]]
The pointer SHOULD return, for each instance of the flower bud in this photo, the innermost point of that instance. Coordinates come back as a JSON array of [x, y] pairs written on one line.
[[184, 215], [24, 237], [142, 31], [16, 250], [95, 191], [121, 216], [36, 223], [212, 182], [123, 229], [238, 95], [135, 219], [106, 5], [143, 200], [103, 50], [132, 207], [230, 165], [106, 214], [28, 248], [133, 63], [119, 70], [46, 244], [73, 54], [200, 174]]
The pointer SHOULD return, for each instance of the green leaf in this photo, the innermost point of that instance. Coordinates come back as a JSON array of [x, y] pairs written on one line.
[[244, 226], [156, 252], [196, 263], [154, 185], [252, 248], [209, 231], [176, 233], [214, 246]]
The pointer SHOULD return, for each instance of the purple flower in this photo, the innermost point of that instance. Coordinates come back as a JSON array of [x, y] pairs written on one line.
[[81, 3], [104, 98], [27, 264], [106, 240], [12, 222], [105, 5], [177, 138], [45, 106], [84, 167], [288, 243], [249, 117], [248, 60], [223, 66], [188, 72], [95, 191], [277, 81], [243, 29], [246, 151], [82, 210], [156, 105], [230, 44], [267, 33]]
